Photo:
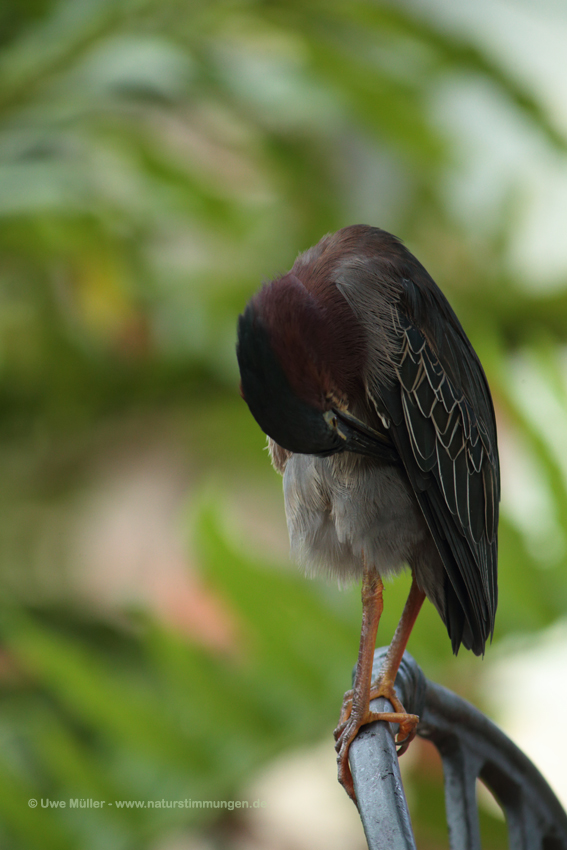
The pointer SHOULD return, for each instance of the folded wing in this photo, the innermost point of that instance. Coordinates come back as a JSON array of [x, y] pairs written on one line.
[[442, 424]]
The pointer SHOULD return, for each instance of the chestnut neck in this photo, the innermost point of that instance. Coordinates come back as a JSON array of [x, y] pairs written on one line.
[[315, 337]]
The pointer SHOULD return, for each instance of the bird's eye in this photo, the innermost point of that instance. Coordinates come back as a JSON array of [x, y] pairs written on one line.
[[331, 420]]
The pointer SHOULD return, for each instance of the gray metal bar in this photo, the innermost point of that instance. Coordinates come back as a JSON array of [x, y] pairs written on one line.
[[460, 770], [375, 770], [471, 747], [534, 814], [378, 785]]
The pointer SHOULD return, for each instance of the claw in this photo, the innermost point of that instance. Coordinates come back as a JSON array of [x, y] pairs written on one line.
[[403, 745], [346, 709], [355, 710], [353, 717]]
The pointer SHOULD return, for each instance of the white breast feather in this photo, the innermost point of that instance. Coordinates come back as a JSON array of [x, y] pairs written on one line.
[[342, 506]]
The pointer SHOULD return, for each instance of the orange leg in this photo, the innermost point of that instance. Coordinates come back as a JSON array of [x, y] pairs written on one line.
[[355, 711]]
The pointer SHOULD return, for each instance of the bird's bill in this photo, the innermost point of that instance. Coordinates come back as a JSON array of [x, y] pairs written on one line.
[[359, 437]]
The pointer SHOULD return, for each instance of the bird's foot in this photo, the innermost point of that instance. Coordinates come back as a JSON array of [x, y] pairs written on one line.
[[354, 716]]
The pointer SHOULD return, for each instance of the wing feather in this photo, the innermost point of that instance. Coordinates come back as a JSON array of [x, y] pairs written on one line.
[[443, 426], [422, 434]]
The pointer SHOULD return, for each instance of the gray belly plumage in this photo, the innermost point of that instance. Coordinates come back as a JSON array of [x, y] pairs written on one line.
[[342, 507]]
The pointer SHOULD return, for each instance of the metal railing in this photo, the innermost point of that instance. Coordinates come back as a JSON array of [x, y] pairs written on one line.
[[471, 748]]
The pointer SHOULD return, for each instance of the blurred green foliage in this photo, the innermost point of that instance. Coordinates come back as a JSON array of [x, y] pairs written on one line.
[[158, 160]]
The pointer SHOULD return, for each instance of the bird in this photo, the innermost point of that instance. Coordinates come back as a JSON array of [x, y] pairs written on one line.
[[379, 417]]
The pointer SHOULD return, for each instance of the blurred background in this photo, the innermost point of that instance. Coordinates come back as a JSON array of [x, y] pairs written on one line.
[[158, 160]]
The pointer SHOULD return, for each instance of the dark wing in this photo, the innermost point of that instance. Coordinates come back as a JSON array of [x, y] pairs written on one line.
[[443, 426]]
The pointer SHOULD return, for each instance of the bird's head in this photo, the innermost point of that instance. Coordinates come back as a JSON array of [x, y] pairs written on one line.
[[302, 355]]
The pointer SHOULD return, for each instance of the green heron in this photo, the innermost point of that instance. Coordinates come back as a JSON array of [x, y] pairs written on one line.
[[380, 419]]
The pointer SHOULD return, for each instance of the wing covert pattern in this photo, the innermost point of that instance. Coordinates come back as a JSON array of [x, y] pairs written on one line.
[[436, 427]]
